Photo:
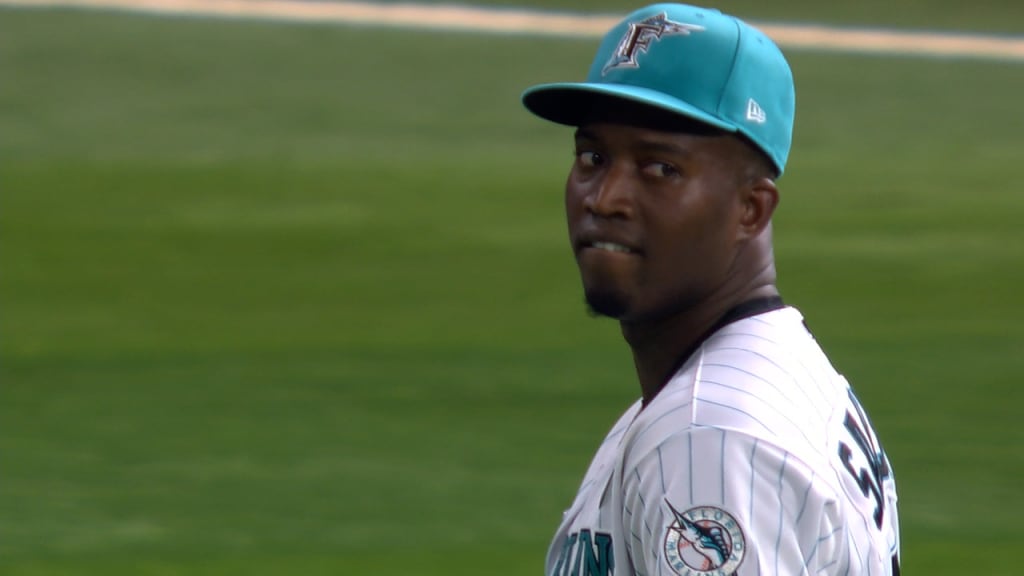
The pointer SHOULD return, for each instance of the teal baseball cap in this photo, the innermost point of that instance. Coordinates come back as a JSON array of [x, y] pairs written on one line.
[[695, 62]]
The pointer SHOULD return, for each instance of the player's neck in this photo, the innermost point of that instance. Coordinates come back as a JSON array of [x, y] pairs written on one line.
[[661, 346]]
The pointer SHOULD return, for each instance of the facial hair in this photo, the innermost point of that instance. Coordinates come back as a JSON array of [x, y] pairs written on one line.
[[605, 303]]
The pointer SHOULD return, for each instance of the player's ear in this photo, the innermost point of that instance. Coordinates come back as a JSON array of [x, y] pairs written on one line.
[[760, 196]]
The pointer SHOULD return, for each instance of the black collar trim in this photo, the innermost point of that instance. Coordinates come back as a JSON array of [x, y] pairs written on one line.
[[745, 310]]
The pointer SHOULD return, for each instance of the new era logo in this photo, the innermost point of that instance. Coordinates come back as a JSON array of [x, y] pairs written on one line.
[[755, 113]]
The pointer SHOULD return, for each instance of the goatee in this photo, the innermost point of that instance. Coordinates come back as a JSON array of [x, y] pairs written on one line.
[[601, 303]]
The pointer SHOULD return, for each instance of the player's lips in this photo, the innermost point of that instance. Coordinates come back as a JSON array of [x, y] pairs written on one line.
[[606, 243], [609, 247]]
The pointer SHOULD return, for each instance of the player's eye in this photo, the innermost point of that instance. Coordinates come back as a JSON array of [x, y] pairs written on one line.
[[589, 158], [660, 170]]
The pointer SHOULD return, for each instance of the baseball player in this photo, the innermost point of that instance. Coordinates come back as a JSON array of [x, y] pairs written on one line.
[[747, 454]]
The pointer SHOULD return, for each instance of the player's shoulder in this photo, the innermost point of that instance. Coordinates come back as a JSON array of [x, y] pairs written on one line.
[[764, 376], [768, 377], [771, 342]]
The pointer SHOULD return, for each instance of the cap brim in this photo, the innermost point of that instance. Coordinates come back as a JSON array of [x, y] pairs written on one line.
[[574, 103]]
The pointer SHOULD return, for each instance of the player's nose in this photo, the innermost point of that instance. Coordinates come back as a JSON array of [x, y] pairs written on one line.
[[612, 195]]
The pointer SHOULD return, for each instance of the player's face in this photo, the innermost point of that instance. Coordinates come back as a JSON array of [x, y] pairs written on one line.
[[653, 218]]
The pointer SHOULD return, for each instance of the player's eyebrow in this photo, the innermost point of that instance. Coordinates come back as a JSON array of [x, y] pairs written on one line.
[[662, 147], [646, 144], [582, 133]]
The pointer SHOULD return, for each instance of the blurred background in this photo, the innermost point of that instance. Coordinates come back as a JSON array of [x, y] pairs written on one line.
[[296, 298]]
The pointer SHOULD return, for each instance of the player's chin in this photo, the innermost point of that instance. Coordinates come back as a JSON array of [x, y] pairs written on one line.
[[604, 302]]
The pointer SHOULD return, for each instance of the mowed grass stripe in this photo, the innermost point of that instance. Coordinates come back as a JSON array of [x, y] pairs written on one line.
[[563, 24]]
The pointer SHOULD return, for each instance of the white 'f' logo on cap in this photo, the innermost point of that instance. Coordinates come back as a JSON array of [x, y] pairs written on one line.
[[639, 36]]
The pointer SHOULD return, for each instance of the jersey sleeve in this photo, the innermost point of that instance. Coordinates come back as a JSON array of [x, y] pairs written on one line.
[[713, 501]]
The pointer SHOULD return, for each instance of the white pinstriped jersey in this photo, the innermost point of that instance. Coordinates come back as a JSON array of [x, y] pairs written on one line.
[[754, 459]]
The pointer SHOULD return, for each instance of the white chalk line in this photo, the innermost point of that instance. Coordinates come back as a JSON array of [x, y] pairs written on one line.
[[534, 22]]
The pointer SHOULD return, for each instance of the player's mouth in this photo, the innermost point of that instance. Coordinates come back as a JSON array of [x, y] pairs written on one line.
[[609, 247], [605, 242]]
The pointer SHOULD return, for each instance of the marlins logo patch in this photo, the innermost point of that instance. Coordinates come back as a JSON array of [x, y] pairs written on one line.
[[640, 35], [704, 540]]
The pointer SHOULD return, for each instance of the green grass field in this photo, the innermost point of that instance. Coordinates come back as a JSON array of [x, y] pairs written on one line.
[[297, 299]]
